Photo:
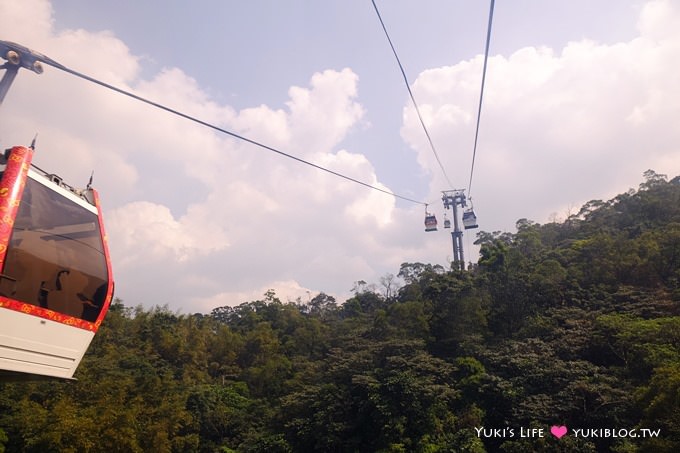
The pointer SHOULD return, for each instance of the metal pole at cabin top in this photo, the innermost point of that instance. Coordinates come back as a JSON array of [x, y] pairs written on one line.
[[7, 79], [17, 56]]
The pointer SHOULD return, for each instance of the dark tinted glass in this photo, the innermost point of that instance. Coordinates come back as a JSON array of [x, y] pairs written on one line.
[[55, 257]]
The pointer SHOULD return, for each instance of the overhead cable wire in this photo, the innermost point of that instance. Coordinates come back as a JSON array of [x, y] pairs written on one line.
[[481, 94], [61, 67], [413, 99]]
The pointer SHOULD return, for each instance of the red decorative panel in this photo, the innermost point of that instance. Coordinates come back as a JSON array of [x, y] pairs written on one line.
[[52, 315], [105, 246], [11, 189]]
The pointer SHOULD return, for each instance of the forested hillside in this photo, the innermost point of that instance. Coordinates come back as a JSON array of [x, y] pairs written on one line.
[[573, 324]]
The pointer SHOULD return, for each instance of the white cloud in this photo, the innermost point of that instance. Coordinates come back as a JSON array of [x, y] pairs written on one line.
[[28, 22], [147, 232], [558, 127], [659, 20], [322, 115]]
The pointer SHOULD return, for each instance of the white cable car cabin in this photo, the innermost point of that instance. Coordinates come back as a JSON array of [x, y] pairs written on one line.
[[430, 222], [469, 219], [55, 271]]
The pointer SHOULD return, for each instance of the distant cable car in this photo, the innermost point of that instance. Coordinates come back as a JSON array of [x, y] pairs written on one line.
[[55, 271], [447, 222], [469, 219], [430, 222]]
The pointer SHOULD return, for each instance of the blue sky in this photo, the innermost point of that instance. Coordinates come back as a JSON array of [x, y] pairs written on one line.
[[579, 103]]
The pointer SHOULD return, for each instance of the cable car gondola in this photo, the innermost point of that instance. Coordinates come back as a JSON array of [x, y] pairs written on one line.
[[469, 219], [55, 271], [55, 278], [430, 222], [447, 222]]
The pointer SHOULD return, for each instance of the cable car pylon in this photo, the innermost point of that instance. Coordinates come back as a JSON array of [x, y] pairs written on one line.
[[452, 199]]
